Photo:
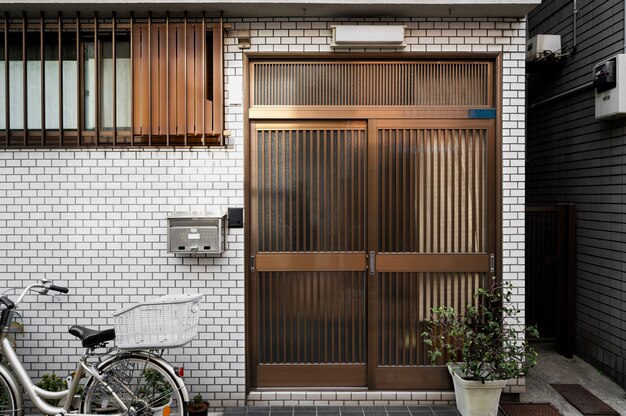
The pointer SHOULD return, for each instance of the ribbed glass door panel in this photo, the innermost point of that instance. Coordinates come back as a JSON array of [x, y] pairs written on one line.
[[312, 318], [432, 190], [311, 182], [406, 300]]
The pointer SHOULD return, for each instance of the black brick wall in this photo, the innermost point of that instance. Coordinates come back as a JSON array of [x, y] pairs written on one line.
[[572, 157]]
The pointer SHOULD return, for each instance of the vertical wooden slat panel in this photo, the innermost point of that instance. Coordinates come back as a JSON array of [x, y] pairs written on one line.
[[97, 74], [24, 83], [133, 53], [114, 73], [180, 83], [198, 85], [7, 107], [186, 79], [42, 80], [174, 76], [162, 124], [203, 70], [149, 57], [79, 101], [143, 81], [168, 77]]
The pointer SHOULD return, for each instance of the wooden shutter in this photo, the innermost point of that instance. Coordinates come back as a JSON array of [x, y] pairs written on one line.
[[176, 83]]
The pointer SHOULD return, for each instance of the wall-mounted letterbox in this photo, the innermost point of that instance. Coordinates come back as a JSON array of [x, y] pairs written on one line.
[[196, 233]]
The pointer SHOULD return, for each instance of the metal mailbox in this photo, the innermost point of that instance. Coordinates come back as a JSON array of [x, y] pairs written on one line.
[[196, 233]]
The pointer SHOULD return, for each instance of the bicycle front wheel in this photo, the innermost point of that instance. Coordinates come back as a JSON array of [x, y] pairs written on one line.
[[8, 400], [142, 385]]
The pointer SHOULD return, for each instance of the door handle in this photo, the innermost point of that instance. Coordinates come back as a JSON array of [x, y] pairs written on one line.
[[372, 263]]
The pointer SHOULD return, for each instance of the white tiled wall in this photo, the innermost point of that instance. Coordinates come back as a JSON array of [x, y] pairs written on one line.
[[95, 219]]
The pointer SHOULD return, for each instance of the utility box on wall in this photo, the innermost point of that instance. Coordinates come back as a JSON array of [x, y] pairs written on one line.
[[196, 233], [609, 81]]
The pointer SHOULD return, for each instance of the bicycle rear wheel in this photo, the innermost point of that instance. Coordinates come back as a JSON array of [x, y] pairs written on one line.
[[8, 401], [145, 388]]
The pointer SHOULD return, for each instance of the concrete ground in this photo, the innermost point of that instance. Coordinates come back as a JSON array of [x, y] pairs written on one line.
[[554, 368]]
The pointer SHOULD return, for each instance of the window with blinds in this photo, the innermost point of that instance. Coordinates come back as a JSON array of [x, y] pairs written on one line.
[[110, 82]]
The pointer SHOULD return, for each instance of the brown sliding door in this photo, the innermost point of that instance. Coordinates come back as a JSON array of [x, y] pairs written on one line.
[[431, 219], [371, 199], [309, 239]]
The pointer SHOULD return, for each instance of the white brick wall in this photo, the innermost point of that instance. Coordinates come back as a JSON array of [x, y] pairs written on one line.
[[95, 219]]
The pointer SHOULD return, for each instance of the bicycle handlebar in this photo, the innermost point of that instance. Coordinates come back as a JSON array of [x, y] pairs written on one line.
[[45, 285], [60, 289]]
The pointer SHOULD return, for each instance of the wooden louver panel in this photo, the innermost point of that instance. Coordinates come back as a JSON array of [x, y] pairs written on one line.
[[542, 268], [404, 309], [432, 189], [415, 84], [173, 64], [311, 188], [311, 317]]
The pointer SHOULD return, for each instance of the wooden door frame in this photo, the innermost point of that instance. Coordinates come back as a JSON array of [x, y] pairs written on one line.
[[497, 60]]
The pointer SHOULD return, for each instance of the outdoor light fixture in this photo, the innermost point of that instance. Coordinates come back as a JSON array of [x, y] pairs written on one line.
[[243, 39], [368, 36]]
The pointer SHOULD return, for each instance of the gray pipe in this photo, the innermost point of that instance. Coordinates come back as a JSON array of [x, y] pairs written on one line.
[[575, 24], [583, 87]]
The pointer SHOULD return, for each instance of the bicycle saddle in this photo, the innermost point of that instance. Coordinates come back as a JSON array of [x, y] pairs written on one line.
[[91, 337]]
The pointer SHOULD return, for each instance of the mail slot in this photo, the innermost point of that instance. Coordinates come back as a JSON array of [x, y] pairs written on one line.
[[191, 233]]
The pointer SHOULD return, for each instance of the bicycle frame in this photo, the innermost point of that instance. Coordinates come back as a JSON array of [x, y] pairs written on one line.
[[37, 394]]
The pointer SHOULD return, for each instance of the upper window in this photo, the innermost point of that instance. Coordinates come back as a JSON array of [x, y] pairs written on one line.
[[110, 82]]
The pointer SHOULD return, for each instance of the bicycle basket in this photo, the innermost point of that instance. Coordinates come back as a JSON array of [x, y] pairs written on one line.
[[166, 322]]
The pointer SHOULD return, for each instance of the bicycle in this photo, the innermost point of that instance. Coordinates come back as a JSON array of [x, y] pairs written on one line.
[[129, 379]]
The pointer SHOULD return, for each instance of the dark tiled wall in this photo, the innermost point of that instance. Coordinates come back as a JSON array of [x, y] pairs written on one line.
[[572, 157]]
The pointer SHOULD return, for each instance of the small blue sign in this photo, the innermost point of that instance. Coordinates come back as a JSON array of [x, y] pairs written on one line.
[[488, 113]]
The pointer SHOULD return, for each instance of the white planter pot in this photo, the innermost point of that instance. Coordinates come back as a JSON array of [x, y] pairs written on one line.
[[474, 398], [158, 411]]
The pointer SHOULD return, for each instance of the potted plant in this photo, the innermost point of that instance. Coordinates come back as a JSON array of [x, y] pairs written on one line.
[[52, 382], [483, 346], [156, 391], [197, 406]]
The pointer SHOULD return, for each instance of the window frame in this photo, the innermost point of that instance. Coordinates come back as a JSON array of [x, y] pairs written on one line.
[[97, 30]]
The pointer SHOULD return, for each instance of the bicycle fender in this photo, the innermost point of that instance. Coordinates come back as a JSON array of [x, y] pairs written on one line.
[[160, 361], [10, 378]]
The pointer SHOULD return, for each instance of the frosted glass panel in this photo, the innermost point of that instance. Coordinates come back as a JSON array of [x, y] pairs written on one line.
[[16, 95], [33, 89], [123, 81], [52, 94], [124, 91], [2, 100], [70, 105]]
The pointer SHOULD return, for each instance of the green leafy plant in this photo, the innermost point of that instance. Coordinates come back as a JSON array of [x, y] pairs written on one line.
[[156, 389], [483, 340], [4, 399], [52, 382]]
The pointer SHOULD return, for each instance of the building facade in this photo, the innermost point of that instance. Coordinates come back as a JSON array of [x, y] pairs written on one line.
[[575, 158], [94, 217]]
